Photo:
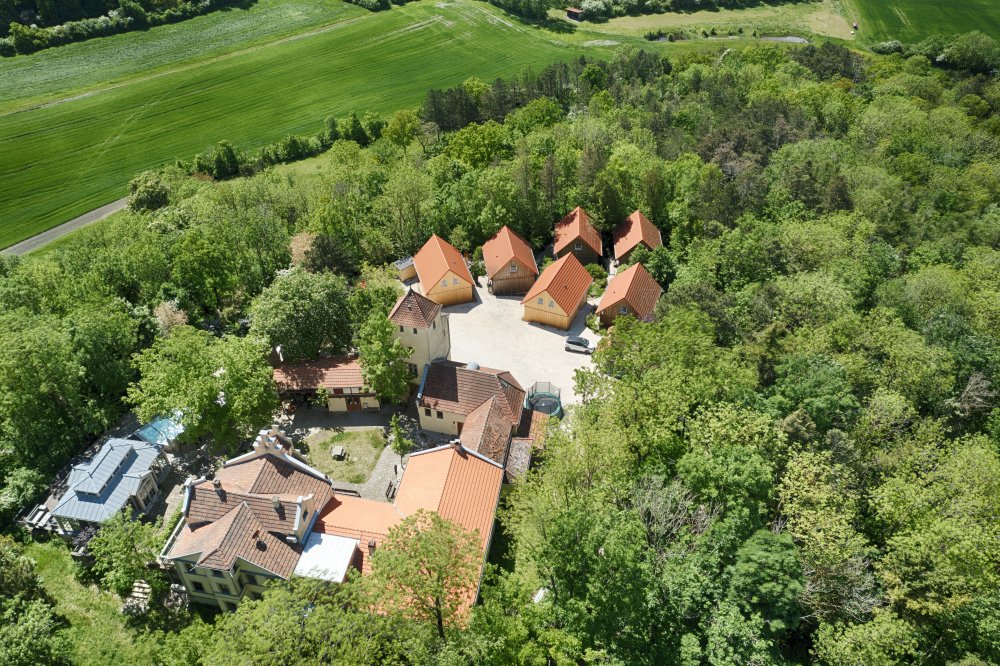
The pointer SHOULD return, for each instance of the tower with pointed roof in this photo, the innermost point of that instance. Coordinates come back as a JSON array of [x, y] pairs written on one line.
[[421, 326]]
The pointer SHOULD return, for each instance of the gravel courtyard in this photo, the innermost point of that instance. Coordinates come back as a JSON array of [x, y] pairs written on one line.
[[491, 333]]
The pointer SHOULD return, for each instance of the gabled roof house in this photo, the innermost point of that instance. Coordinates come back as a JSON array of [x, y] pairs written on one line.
[[339, 376], [558, 293], [268, 515], [510, 263], [482, 406], [576, 235], [635, 230], [443, 274], [632, 292]]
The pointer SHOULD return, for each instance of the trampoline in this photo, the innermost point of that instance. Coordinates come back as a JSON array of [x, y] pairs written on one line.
[[544, 397]]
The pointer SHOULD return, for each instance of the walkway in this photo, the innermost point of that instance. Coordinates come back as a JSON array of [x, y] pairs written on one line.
[[46, 237]]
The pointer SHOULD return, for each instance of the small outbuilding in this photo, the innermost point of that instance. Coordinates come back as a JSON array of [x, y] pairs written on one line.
[[632, 292], [339, 376], [558, 293], [405, 270], [444, 275], [635, 230], [576, 235], [510, 263], [574, 13]]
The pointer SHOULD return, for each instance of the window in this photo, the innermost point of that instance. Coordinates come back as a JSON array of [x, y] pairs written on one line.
[[440, 415], [623, 309], [541, 301], [251, 579], [454, 281], [412, 368], [216, 573], [198, 587], [414, 330], [400, 329], [578, 246], [552, 304], [223, 589], [434, 324], [444, 282], [427, 411], [513, 267]]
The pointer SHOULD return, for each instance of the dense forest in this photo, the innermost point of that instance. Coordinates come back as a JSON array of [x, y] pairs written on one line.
[[797, 461]]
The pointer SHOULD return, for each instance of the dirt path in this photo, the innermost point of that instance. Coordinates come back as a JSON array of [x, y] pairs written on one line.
[[46, 237]]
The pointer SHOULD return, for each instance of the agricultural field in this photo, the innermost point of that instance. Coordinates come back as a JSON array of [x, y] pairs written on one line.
[[913, 20], [82, 66], [825, 17], [75, 153]]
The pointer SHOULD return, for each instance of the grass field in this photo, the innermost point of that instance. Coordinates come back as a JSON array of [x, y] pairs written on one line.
[[75, 68], [95, 631], [825, 17], [65, 159], [912, 20]]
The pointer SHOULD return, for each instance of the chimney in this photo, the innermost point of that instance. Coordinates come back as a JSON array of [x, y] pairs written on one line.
[[276, 503], [256, 535], [457, 445], [217, 483]]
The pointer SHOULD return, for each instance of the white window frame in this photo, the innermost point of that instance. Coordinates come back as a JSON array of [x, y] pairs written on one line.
[[541, 301], [454, 281], [552, 304], [578, 246], [623, 309], [513, 267]]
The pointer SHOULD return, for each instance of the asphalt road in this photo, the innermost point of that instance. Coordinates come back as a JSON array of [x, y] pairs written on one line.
[[46, 237]]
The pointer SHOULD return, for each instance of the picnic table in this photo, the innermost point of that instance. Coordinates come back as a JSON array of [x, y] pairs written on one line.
[[338, 453]]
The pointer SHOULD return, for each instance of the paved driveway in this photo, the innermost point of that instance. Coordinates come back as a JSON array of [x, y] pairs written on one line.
[[491, 333]]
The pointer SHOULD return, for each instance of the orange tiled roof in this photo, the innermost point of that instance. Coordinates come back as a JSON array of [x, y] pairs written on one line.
[[454, 387], [459, 485], [635, 229], [435, 259], [575, 226], [413, 309], [636, 287], [505, 246], [487, 430], [330, 373], [566, 281]]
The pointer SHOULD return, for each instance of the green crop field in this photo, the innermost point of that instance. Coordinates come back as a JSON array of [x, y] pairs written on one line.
[[63, 159], [912, 20]]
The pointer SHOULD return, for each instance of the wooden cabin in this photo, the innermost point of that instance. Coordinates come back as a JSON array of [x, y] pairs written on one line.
[[574, 13], [635, 230], [443, 274], [510, 263], [576, 235], [632, 292], [558, 294]]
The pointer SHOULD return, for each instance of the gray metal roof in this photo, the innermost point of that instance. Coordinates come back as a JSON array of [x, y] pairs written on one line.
[[100, 488]]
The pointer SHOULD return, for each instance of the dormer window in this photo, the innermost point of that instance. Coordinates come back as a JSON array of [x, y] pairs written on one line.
[[578, 246]]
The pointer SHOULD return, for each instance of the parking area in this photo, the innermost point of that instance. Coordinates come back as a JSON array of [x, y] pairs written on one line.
[[491, 333]]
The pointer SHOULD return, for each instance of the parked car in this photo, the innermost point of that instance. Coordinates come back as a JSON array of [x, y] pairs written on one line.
[[577, 344]]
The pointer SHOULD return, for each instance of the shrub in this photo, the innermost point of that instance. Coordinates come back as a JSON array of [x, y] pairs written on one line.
[[148, 191], [21, 487]]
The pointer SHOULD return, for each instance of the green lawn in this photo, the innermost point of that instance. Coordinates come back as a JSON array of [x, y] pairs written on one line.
[[364, 447], [65, 159], [96, 631], [912, 20]]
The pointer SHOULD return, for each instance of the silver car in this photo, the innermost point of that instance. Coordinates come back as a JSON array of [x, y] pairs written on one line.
[[578, 344]]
